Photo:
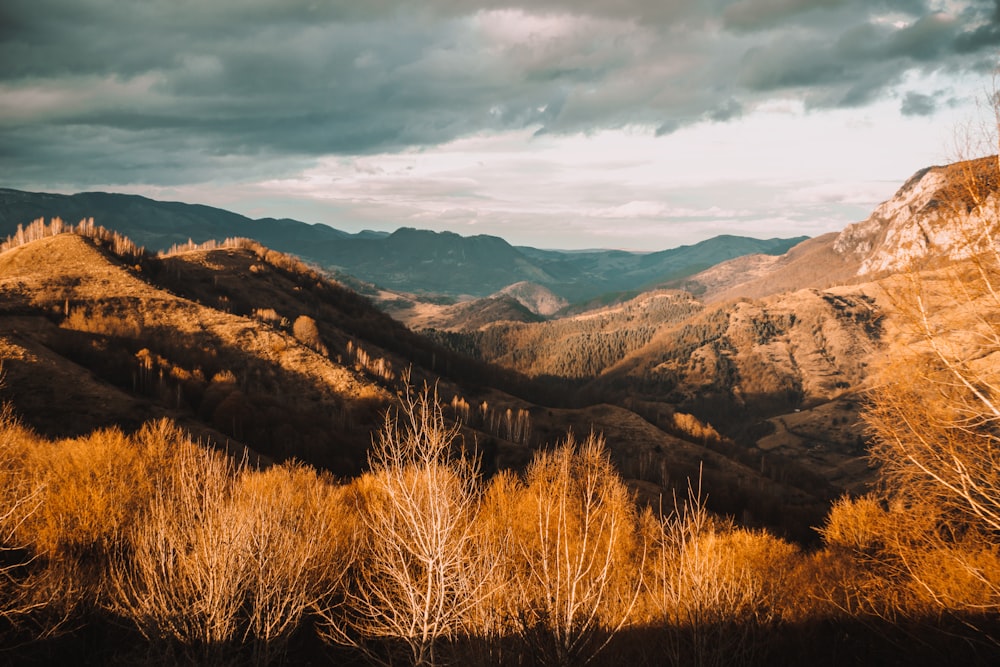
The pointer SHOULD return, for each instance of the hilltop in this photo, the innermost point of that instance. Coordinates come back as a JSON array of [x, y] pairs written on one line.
[[941, 213]]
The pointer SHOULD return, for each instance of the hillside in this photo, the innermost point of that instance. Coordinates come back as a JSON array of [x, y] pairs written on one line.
[[71, 310], [577, 347], [158, 225], [426, 262], [246, 347], [520, 302], [773, 352]]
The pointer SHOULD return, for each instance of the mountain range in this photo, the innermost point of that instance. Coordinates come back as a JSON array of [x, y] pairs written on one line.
[[752, 370], [408, 260]]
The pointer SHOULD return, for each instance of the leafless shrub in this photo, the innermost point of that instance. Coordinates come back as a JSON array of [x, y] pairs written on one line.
[[306, 332], [297, 552], [20, 498], [714, 587], [184, 582], [267, 315], [580, 555], [935, 408], [420, 574]]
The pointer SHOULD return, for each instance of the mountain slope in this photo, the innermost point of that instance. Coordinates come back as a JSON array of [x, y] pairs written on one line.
[[158, 225], [174, 355], [812, 263], [247, 347], [439, 263], [941, 213], [535, 298], [575, 347]]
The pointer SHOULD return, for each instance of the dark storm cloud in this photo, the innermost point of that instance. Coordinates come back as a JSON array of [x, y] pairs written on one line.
[[728, 110], [918, 104], [112, 91]]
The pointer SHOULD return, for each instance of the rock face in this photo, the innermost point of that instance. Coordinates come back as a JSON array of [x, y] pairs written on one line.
[[941, 212]]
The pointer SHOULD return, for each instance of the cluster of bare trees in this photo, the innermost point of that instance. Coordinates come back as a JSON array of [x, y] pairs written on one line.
[[38, 229], [446, 560], [423, 561], [379, 367], [419, 561]]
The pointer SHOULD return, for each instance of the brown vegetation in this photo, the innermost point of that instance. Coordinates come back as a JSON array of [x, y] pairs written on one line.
[[423, 561]]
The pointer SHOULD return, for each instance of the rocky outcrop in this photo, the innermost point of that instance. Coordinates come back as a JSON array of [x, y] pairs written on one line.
[[945, 212]]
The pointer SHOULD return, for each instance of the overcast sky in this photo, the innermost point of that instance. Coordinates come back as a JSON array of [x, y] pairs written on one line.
[[641, 124]]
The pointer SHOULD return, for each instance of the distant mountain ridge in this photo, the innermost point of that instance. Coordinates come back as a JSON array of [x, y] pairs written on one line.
[[408, 260], [157, 225], [768, 386]]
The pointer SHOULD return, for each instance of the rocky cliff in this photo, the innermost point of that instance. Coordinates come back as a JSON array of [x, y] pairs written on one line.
[[945, 212]]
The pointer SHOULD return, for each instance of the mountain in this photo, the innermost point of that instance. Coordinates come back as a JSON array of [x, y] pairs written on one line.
[[426, 262], [158, 225], [429, 262], [537, 299], [574, 347], [520, 302], [941, 213], [469, 315], [773, 352], [407, 260], [91, 341], [251, 350], [758, 370]]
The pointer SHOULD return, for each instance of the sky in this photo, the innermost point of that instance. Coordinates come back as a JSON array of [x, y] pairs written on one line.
[[635, 124]]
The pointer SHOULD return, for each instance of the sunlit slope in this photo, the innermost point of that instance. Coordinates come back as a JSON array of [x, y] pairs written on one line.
[[232, 372]]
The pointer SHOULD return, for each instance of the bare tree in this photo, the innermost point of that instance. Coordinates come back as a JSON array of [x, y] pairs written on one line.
[[296, 557], [934, 413], [713, 585], [20, 498], [185, 580], [420, 574], [579, 547]]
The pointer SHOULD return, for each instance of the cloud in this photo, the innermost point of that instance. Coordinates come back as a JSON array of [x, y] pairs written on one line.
[[917, 104], [728, 110], [173, 91], [753, 15], [660, 210]]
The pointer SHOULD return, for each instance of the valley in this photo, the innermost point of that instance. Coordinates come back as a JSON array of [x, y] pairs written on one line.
[[727, 368], [500, 334], [750, 379]]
